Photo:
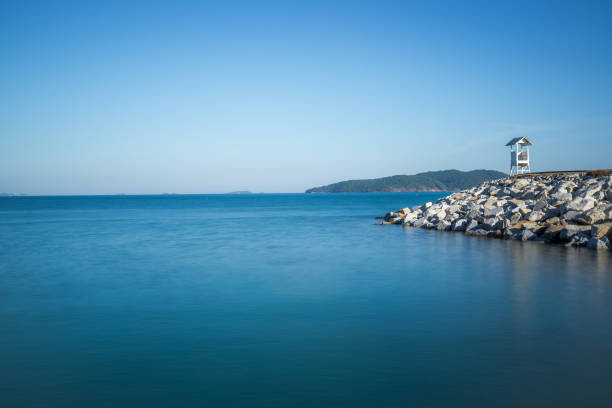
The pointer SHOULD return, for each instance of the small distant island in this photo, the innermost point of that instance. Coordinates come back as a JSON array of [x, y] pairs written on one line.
[[240, 192], [13, 194], [443, 180]]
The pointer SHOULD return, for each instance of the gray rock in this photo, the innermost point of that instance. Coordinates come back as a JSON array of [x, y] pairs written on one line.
[[493, 191], [535, 216], [540, 205], [575, 217], [570, 230], [459, 225], [608, 212], [493, 223], [594, 216], [516, 203], [471, 225], [440, 215], [527, 235], [515, 218], [411, 216], [600, 230], [520, 184], [514, 192], [562, 196], [552, 232], [553, 220], [551, 213], [493, 211], [590, 191], [420, 223], [529, 195], [580, 239], [599, 243], [556, 203], [580, 204]]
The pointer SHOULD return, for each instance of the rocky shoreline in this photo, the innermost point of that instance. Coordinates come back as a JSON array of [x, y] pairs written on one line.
[[570, 209]]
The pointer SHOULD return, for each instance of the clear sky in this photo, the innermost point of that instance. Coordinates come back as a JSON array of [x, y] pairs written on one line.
[[102, 97]]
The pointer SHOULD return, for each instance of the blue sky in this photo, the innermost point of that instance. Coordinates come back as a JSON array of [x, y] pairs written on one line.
[[203, 97]]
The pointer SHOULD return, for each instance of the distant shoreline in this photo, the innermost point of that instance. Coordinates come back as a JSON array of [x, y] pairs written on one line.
[[432, 181]]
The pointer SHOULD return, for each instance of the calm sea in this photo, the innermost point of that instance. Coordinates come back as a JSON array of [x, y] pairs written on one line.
[[289, 301]]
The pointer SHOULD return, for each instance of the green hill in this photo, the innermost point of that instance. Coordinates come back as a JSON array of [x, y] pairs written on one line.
[[444, 180]]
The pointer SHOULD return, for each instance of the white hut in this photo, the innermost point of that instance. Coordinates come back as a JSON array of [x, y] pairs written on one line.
[[519, 155]]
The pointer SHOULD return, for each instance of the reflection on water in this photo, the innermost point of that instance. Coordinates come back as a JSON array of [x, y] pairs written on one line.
[[544, 309]]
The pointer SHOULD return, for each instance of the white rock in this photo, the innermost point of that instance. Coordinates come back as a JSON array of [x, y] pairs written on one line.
[[580, 204]]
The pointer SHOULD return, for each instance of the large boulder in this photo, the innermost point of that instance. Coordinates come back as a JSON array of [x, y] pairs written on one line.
[[491, 202], [595, 216], [419, 223], [607, 210], [575, 217], [580, 239], [520, 184], [514, 218], [562, 196], [514, 203], [579, 204], [459, 224], [599, 243], [471, 225], [601, 230], [493, 211], [540, 205], [411, 216], [535, 216], [568, 231], [494, 223], [552, 232], [551, 213], [527, 235]]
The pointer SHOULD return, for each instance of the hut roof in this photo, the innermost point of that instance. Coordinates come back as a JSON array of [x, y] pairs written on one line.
[[519, 140]]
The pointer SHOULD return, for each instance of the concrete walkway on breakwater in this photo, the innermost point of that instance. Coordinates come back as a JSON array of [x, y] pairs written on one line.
[[569, 207]]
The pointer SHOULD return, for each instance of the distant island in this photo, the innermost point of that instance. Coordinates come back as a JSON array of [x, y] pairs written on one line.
[[444, 180], [240, 192], [13, 194]]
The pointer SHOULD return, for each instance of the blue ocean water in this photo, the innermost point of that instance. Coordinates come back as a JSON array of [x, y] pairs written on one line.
[[289, 301]]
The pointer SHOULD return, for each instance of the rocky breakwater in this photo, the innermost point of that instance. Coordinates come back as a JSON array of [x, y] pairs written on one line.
[[572, 209]]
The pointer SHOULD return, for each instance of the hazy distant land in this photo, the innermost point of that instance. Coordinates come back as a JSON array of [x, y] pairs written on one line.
[[443, 180]]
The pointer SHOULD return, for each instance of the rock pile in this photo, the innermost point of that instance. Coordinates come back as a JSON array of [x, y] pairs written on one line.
[[574, 209]]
